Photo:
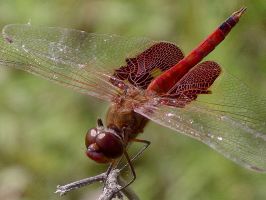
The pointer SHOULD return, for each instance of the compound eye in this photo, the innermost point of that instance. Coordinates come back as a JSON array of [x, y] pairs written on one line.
[[110, 145], [95, 154], [90, 137]]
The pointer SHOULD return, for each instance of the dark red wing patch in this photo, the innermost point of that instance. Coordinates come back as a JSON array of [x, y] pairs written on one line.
[[195, 82], [142, 69]]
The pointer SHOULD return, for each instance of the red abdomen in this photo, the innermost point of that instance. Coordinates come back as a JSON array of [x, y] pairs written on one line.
[[164, 82]]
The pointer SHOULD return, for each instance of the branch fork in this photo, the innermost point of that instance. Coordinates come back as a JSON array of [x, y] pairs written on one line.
[[112, 185]]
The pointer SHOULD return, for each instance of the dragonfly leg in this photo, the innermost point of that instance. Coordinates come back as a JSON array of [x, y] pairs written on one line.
[[145, 146], [129, 162], [109, 169], [131, 169]]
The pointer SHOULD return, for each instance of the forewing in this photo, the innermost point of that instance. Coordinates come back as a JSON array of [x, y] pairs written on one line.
[[76, 59], [142, 69], [231, 120]]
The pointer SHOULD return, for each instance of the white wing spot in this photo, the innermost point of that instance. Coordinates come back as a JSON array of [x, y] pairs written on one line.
[[169, 114]]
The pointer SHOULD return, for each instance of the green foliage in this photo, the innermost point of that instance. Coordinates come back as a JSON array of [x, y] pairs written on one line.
[[42, 125]]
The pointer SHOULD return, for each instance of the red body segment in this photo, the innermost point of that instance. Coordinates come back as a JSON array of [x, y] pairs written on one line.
[[168, 79]]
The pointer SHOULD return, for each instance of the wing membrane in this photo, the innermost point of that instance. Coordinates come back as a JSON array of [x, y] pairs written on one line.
[[197, 81], [143, 68], [231, 120], [76, 59]]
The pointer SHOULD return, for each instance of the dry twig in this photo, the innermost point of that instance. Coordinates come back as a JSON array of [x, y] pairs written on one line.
[[112, 184]]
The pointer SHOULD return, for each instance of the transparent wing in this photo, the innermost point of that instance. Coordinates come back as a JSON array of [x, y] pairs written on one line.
[[231, 120], [75, 59]]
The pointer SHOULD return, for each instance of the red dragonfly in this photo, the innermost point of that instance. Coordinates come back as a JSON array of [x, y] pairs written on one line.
[[146, 80]]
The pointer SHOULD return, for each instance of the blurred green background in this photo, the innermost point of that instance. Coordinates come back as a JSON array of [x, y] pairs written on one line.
[[42, 125]]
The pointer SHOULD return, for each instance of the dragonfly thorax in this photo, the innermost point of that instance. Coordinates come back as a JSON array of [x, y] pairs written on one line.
[[126, 119]]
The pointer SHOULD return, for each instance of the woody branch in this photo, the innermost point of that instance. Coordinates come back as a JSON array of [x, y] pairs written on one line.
[[112, 183]]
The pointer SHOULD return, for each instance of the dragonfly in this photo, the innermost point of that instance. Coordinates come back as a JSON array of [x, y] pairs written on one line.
[[146, 80]]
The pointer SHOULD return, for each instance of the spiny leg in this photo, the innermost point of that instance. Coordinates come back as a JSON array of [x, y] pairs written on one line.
[[129, 160], [131, 169], [146, 145], [111, 167], [115, 163]]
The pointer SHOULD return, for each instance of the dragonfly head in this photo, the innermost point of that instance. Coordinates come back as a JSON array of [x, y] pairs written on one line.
[[103, 144]]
